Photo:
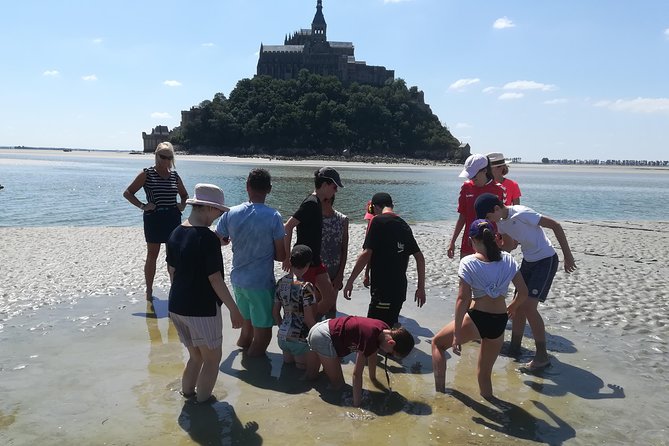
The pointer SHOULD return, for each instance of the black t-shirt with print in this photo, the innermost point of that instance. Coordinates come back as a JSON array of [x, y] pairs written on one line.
[[310, 229], [392, 242]]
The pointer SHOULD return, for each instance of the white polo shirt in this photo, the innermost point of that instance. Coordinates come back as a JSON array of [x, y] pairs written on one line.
[[522, 225]]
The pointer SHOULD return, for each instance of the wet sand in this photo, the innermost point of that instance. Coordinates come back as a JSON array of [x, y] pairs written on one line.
[[86, 361]]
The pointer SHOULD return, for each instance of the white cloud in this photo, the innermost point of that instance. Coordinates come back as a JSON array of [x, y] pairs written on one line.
[[462, 83], [666, 33], [51, 73], [463, 125], [161, 115], [208, 44], [556, 101], [510, 96], [489, 89], [529, 85], [638, 105], [97, 41], [395, 1], [172, 83], [503, 22], [90, 77]]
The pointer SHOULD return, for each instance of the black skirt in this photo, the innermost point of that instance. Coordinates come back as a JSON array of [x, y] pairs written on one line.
[[159, 224]]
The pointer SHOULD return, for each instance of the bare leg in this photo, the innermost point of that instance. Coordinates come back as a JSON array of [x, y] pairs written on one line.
[[328, 294], [152, 251], [538, 331], [191, 372], [313, 366], [209, 373], [442, 341], [245, 335], [261, 339], [332, 368], [488, 353]]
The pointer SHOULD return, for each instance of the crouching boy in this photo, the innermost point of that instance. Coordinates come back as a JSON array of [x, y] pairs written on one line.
[[335, 338]]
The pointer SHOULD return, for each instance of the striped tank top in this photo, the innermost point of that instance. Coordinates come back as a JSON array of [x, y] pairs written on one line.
[[161, 191]]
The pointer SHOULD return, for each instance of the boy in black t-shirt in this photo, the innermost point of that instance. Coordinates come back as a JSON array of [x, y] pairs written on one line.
[[388, 244], [309, 222]]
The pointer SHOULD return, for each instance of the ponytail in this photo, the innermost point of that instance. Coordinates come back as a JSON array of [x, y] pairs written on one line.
[[492, 250]]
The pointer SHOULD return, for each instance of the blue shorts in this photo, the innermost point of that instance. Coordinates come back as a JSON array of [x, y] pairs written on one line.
[[256, 306], [295, 348], [538, 276]]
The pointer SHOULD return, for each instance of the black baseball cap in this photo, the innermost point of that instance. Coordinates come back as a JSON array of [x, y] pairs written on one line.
[[485, 203], [330, 174], [382, 199]]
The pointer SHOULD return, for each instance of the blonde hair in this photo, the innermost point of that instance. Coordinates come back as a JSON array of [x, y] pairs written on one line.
[[167, 148]]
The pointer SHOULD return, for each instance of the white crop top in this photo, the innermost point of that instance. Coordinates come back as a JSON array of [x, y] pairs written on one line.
[[488, 278]]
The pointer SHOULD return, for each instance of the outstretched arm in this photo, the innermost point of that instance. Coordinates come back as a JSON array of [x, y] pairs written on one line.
[[221, 289], [360, 264], [461, 306], [456, 232], [420, 288], [519, 296], [288, 239], [360, 361], [569, 263]]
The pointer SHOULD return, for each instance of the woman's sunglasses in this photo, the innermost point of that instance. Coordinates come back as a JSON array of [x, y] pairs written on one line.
[[163, 157]]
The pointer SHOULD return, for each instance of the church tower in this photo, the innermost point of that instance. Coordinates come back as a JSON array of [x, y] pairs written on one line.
[[318, 25]]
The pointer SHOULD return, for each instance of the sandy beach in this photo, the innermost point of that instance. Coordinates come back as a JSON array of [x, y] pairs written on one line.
[[86, 361]]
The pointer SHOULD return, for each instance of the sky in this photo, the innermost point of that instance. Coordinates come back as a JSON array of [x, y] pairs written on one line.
[[566, 79]]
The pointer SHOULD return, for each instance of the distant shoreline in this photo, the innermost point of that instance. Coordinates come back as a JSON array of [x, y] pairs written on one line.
[[376, 162]]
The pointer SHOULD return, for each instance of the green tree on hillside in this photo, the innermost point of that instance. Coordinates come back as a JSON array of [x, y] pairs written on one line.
[[317, 115]]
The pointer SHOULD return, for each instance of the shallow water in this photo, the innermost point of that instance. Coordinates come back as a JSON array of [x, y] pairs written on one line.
[[111, 367]]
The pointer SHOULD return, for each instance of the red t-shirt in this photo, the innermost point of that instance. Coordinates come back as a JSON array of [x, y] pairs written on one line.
[[512, 190], [468, 194], [352, 334]]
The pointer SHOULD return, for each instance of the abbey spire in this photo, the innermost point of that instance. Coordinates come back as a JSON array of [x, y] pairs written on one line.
[[318, 25]]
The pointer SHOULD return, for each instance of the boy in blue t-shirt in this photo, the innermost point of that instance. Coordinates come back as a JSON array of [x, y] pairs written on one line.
[[256, 231], [298, 300]]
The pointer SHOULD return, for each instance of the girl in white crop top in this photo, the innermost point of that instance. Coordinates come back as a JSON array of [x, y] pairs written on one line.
[[480, 309]]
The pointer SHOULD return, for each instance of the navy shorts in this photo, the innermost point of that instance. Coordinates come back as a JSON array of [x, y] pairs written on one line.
[[489, 325], [159, 224], [538, 276]]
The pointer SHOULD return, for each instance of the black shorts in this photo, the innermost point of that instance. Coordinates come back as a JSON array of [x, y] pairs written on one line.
[[489, 325], [159, 224], [385, 306]]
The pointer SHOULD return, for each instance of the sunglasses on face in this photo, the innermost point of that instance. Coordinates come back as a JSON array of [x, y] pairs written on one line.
[[165, 157]]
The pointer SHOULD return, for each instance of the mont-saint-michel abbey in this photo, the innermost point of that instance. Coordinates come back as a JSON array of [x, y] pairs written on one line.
[[304, 49], [310, 49]]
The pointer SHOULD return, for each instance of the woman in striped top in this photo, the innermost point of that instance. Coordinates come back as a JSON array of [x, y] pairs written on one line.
[[161, 212]]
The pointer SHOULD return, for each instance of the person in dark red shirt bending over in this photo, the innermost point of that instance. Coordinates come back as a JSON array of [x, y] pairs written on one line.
[[335, 338]]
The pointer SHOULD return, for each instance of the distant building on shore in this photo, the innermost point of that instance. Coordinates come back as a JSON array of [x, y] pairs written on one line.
[[309, 49], [159, 134]]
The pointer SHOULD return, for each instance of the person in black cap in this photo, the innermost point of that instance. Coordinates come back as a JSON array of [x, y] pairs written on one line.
[[388, 244], [309, 222]]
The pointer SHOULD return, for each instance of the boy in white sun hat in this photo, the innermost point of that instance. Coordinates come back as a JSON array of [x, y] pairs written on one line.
[[198, 289]]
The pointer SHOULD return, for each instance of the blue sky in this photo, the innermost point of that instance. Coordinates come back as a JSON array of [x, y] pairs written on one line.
[[533, 79]]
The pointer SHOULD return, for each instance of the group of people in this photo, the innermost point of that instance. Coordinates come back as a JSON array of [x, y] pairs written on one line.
[[303, 303]]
